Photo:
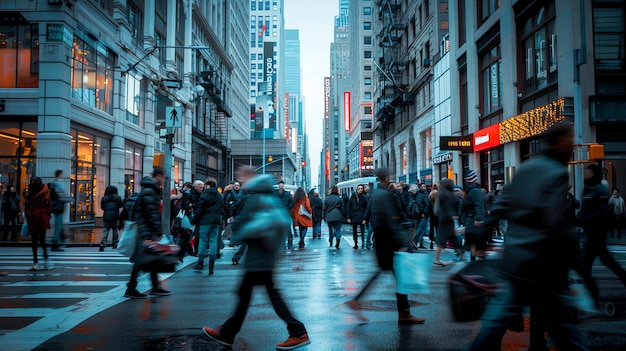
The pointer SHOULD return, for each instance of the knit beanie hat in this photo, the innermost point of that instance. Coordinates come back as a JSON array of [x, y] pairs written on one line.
[[471, 177]]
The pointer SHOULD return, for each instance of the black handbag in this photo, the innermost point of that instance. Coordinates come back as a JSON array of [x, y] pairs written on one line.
[[159, 258], [471, 288]]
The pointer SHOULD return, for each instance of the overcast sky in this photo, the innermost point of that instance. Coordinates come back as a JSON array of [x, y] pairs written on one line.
[[314, 20]]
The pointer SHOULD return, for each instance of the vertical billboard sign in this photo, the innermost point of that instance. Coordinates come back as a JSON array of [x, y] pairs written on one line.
[[367, 155], [266, 98], [287, 127], [326, 97], [346, 111]]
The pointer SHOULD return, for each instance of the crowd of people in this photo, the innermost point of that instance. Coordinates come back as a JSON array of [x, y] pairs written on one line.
[[536, 213]]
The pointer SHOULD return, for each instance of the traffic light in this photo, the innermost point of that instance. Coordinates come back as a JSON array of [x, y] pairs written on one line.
[[303, 163], [159, 160]]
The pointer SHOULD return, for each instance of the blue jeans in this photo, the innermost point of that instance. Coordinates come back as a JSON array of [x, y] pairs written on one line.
[[368, 239], [58, 237], [208, 236], [418, 239], [303, 231], [317, 229], [334, 231]]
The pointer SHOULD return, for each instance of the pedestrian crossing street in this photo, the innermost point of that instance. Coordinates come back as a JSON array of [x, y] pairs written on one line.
[[69, 287]]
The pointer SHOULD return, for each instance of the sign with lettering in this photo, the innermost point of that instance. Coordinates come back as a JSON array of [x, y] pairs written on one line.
[[487, 138], [462, 143], [58, 32], [442, 158]]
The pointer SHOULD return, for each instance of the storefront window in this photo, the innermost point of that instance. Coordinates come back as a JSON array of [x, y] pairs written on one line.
[[19, 54], [492, 172], [92, 74], [90, 174], [133, 156], [18, 145]]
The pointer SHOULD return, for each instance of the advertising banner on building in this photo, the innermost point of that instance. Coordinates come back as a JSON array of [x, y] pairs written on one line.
[[487, 138], [326, 97], [367, 156], [266, 96]]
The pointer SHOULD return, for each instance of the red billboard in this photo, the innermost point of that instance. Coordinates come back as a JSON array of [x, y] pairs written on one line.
[[487, 138]]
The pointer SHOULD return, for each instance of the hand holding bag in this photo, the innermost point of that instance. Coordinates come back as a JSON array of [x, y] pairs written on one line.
[[128, 240], [156, 257], [412, 272], [302, 211]]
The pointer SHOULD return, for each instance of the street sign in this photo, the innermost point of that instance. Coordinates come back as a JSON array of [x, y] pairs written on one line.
[[173, 117]]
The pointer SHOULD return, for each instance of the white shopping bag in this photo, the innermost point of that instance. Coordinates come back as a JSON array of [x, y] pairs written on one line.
[[412, 271]]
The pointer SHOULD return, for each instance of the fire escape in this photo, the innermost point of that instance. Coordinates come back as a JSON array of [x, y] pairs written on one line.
[[392, 63]]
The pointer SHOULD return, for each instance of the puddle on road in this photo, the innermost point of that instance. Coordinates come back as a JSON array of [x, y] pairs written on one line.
[[196, 342]]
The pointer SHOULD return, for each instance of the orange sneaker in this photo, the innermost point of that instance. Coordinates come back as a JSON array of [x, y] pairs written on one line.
[[217, 336], [294, 342], [409, 319], [353, 304]]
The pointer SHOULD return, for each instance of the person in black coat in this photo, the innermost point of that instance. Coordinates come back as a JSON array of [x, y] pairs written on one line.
[[111, 204], [390, 236], [356, 212], [318, 209], [534, 267], [208, 214], [593, 217], [147, 215]]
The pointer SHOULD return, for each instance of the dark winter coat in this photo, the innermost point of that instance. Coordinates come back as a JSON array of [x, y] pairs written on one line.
[[593, 216], [333, 208], [535, 204], [318, 208], [147, 210], [37, 208], [10, 202], [389, 234], [285, 198], [111, 203], [232, 200], [262, 223], [447, 209], [473, 208], [209, 209], [356, 208]]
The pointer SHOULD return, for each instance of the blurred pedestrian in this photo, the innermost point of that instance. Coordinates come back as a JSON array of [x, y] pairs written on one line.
[[111, 203], [593, 218], [38, 213], [446, 206], [146, 212], [368, 226], [208, 215], [302, 215], [263, 224], [423, 210], [616, 212], [318, 206], [390, 235], [334, 215], [243, 174], [58, 199], [434, 218], [534, 268], [10, 210], [356, 211], [474, 215]]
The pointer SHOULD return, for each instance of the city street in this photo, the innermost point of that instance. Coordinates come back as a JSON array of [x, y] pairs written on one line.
[[78, 304]]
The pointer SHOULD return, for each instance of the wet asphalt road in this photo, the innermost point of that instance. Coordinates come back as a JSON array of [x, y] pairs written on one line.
[[315, 282]]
